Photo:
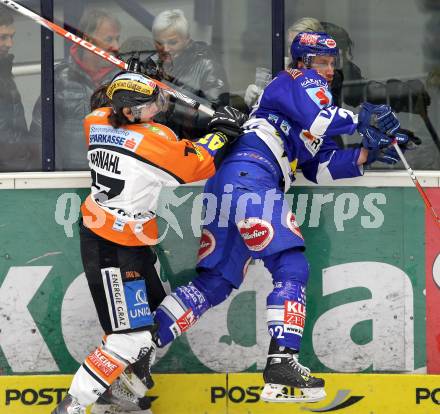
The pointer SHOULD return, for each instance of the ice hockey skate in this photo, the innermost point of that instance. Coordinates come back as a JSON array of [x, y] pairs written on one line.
[[139, 374], [69, 405], [119, 399], [286, 380]]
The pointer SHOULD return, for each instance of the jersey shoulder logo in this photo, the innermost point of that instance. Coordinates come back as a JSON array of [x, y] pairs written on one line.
[[161, 130], [320, 95], [294, 73]]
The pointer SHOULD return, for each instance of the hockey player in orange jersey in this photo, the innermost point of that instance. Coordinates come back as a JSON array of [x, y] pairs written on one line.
[[131, 158]]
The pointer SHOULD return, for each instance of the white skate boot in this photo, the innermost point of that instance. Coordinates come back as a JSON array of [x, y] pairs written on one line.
[[118, 399], [127, 393], [284, 374]]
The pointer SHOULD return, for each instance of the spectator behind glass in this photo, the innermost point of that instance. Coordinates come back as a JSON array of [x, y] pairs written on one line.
[[305, 24], [15, 154], [75, 80], [191, 66]]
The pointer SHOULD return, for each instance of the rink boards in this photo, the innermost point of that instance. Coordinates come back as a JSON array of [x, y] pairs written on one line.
[[374, 302], [239, 393]]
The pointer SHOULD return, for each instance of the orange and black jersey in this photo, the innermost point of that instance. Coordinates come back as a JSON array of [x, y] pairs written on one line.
[[129, 166]]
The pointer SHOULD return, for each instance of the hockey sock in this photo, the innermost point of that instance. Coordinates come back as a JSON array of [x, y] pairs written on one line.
[[276, 349], [178, 312], [286, 304], [286, 310], [95, 375]]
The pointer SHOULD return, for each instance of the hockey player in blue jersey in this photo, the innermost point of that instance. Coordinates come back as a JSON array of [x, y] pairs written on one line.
[[290, 127]]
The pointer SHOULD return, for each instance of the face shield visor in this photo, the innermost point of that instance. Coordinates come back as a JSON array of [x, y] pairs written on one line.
[[322, 62], [324, 65], [149, 110]]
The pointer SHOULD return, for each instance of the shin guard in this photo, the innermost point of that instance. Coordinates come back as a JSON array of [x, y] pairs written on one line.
[[95, 375]]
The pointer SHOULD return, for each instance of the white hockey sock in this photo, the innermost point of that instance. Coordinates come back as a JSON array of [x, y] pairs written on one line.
[[95, 375]]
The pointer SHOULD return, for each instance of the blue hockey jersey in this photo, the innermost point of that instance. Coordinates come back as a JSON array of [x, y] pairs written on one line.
[[295, 117]]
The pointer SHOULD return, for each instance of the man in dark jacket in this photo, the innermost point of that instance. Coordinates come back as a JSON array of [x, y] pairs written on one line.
[[191, 66], [75, 80], [15, 151]]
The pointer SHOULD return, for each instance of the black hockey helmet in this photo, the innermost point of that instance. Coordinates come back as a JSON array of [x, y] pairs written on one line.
[[130, 89]]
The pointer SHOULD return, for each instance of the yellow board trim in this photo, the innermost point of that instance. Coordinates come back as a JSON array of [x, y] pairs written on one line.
[[238, 393]]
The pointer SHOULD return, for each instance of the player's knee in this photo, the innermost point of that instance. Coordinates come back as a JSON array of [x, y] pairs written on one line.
[[289, 265], [128, 346], [215, 288]]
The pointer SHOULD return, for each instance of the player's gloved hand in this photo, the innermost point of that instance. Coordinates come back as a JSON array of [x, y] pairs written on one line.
[[251, 95], [373, 139], [229, 121], [152, 69], [134, 64], [380, 116], [389, 155], [413, 140], [406, 141]]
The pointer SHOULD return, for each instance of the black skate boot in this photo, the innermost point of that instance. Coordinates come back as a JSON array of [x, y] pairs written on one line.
[[69, 405], [283, 371], [142, 368]]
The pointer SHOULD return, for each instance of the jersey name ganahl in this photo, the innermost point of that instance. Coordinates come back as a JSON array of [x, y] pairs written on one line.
[[129, 166], [106, 161]]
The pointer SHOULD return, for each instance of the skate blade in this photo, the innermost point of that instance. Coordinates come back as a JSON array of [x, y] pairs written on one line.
[[279, 393], [134, 384], [114, 409]]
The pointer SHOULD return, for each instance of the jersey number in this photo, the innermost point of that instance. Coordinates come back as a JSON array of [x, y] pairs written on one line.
[[276, 332], [108, 187], [213, 141]]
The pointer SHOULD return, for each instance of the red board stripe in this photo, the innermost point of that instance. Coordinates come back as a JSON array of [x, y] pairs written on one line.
[[432, 238]]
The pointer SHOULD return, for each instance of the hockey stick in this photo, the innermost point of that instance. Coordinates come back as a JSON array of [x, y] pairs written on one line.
[[100, 52], [416, 182]]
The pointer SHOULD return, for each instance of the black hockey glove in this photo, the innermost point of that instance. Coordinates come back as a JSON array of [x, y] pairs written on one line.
[[229, 121], [147, 67], [134, 64]]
